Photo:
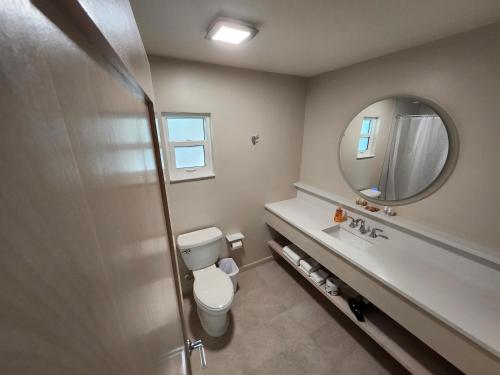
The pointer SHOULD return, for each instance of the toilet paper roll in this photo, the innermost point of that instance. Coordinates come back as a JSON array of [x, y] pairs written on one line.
[[236, 245]]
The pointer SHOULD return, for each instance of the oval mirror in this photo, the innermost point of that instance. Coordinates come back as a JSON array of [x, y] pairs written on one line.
[[395, 150]]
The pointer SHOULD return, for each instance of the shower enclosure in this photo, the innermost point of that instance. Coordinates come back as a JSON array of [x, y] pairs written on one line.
[[415, 155]]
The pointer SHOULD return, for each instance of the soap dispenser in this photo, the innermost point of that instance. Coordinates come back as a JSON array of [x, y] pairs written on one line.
[[339, 215]]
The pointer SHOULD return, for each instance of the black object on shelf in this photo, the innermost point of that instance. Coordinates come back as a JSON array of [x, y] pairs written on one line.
[[358, 306]]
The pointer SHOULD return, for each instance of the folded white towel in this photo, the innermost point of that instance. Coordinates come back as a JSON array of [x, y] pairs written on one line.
[[290, 259], [304, 269], [332, 285], [293, 253], [332, 280], [319, 276], [309, 265], [293, 249]]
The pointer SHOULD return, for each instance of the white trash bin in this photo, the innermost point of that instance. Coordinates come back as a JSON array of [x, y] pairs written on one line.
[[229, 267]]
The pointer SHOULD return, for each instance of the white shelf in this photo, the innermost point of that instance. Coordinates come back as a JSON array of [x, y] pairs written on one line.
[[408, 350]]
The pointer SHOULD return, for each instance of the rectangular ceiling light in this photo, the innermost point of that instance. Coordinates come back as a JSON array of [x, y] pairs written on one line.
[[230, 31]]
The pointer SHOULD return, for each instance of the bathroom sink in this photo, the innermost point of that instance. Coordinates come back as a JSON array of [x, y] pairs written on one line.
[[347, 237]]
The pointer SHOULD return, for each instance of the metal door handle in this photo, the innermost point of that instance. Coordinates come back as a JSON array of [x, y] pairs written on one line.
[[198, 345]]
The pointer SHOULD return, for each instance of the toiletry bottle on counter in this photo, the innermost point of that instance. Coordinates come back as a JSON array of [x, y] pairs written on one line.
[[339, 215]]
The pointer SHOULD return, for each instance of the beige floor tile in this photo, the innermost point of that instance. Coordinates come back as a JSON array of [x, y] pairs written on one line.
[[362, 362], [248, 280], [284, 363], [309, 315], [334, 341], [282, 325], [297, 361]]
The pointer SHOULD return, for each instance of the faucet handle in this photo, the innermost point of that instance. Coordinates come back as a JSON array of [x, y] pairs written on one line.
[[373, 233], [353, 223]]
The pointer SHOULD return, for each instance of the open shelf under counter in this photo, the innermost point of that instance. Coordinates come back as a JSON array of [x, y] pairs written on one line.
[[407, 349]]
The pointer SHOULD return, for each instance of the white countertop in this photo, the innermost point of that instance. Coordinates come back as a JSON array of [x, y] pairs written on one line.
[[459, 291]]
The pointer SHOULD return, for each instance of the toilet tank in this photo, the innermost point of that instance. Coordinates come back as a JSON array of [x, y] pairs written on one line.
[[201, 248]]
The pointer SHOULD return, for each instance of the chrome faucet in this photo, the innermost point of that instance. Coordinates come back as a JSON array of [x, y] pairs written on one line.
[[362, 228], [373, 233]]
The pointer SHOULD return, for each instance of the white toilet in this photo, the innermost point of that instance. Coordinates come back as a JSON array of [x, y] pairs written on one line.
[[213, 289]]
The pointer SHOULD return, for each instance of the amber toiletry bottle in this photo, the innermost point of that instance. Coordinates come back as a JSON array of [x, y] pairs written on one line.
[[339, 215]]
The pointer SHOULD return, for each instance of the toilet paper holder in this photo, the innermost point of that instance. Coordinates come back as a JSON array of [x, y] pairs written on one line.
[[235, 240]]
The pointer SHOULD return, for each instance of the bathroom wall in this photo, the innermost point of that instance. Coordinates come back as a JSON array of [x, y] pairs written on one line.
[[462, 75], [242, 103]]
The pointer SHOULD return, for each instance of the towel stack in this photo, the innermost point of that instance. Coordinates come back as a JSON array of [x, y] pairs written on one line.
[[293, 254], [309, 265], [319, 276]]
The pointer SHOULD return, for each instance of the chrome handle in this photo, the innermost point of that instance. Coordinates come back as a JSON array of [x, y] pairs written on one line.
[[353, 223], [203, 359], [373, 233], [198, 345]]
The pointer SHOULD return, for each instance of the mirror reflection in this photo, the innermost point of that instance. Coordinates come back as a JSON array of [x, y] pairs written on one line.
[[394, 149]]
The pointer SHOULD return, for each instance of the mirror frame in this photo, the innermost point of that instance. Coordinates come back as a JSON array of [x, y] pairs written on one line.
[[449, 165]]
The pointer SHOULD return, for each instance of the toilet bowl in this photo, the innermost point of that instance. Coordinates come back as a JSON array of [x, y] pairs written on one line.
[[213, 293], [213, 290]]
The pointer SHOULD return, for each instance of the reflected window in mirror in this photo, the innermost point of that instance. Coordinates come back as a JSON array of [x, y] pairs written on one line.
[[366, 144]]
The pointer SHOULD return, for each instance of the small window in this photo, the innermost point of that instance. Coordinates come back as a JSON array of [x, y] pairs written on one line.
[[189, 146], [366, 144]]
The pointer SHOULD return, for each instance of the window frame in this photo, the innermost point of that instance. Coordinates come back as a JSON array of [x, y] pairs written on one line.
[[192, 173], [371, 135]]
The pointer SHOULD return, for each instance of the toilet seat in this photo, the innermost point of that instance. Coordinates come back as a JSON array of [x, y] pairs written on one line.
[[213, 289]]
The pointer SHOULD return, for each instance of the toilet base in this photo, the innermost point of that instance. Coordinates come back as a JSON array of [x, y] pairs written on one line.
[[214, 324]]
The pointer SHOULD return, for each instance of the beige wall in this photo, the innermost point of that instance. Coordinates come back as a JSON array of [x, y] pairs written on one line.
[[242, 103], [462, 75], [365, 173]]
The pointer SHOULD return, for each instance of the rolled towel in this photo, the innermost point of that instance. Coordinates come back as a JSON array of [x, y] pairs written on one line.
[[293, 253], [332, 285], [309, 265], [319, 276]]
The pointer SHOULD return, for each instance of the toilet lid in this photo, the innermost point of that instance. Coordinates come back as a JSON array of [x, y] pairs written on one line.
[[213, 290]]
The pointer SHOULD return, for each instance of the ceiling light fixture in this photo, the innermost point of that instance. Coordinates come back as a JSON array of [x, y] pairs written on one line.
[[230, 31]]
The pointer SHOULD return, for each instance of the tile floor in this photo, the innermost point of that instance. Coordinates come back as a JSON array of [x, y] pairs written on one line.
[[282, 325]]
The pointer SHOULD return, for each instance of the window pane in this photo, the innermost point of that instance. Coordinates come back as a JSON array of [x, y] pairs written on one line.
[[189, 156], [363, 144], [366, 125], [182, 129]]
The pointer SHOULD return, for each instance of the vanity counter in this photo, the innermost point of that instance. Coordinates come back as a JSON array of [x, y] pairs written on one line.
[[458, 291]]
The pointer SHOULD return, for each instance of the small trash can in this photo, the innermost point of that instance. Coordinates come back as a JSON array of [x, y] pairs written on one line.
[[229, 267]]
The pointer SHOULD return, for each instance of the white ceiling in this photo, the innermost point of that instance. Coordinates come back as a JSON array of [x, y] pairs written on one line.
[[305, 37]]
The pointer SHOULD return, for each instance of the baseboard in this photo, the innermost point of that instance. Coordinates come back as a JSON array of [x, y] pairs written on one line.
[[248, 266]]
